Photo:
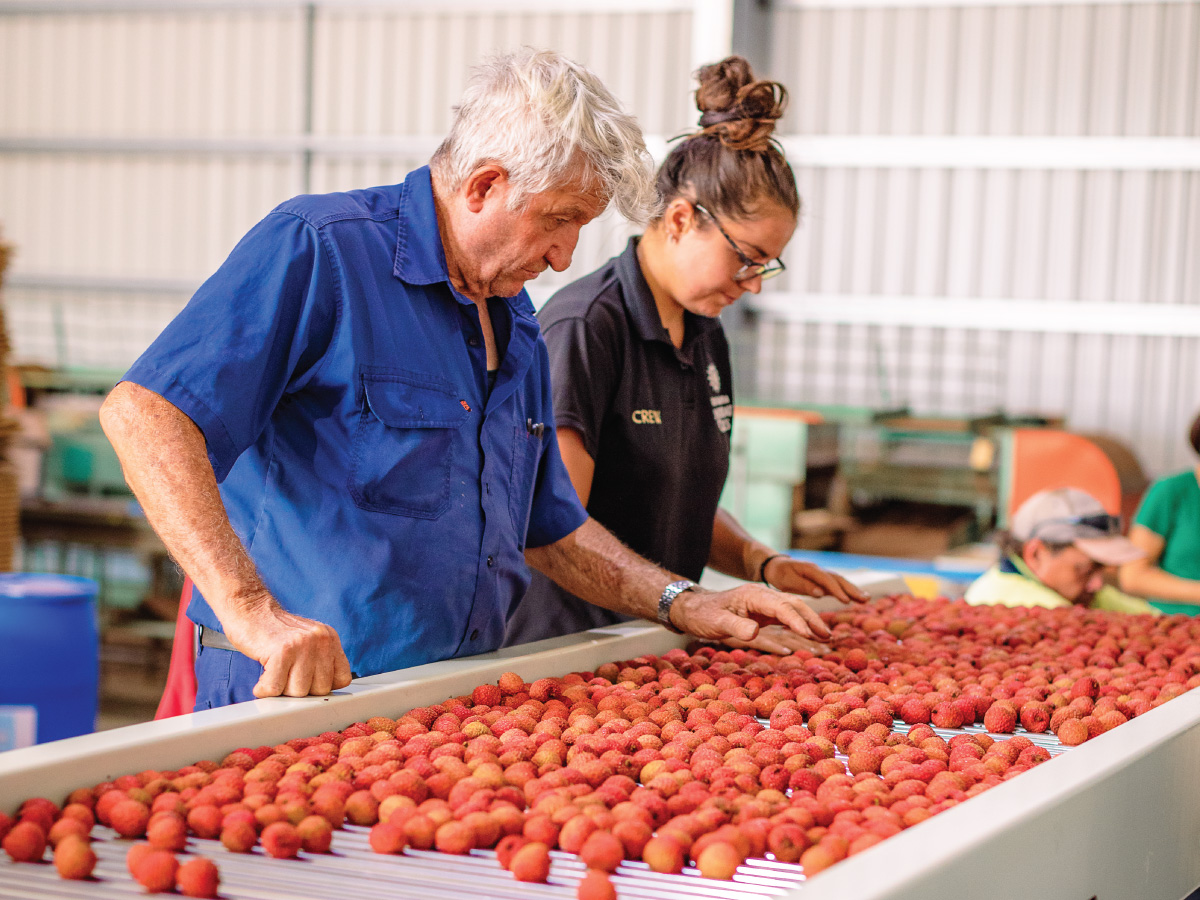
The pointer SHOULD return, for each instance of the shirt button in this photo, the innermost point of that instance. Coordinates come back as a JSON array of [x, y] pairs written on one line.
[[488, 488], [491, 562], [475, 634], [473, 341]]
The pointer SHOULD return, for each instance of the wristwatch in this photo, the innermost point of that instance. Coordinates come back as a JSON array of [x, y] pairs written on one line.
[[670, 592]]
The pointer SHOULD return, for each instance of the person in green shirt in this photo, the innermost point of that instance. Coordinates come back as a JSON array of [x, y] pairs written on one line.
[[1055, 555], [1167, 528]]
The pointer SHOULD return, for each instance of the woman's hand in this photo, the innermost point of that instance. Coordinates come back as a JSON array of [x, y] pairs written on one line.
[[796, 577]]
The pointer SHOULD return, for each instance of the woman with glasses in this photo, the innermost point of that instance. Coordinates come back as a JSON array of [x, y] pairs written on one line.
[[1167, 528], [643, 397]]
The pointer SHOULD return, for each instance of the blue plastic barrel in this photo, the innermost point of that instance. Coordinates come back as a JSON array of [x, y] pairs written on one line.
[[50, 650]]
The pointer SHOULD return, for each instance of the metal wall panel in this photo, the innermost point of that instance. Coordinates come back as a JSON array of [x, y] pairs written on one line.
[[1125, 70], [87, 216]]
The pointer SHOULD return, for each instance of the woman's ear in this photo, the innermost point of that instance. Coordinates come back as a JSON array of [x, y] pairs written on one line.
[[680, 216]]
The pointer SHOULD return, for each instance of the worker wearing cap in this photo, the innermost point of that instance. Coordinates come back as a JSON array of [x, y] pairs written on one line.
[[346, 439], [1055, 554]]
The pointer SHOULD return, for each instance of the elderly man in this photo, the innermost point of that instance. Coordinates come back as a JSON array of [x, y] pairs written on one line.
[[1055, 554], [365, 380]]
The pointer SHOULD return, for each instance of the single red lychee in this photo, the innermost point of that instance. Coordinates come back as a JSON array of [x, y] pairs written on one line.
[[156, 870], [281, 840], [25, 842], [596, 885], [74, 858], [531, 863], [198, 877]]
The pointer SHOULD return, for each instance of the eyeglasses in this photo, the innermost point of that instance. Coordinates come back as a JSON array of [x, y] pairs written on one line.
[[1101, 522], [750, 269]]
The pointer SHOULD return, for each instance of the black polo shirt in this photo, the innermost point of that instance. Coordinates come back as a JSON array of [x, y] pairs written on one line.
[[654, 418]]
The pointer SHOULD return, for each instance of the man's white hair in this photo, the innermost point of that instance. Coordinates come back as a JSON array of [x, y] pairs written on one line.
[[537, 114]]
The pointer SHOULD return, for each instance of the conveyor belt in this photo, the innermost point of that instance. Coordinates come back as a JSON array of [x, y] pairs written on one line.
[[416, 873]]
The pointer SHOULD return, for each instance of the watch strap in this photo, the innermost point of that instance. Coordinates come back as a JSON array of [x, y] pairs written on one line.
[[667, 599]]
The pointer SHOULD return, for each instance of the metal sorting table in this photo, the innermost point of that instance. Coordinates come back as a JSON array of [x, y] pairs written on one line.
[[1113, 818]]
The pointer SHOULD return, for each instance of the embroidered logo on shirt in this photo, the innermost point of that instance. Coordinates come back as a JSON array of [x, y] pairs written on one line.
[[714, 378], [647, 417], [465, 405]]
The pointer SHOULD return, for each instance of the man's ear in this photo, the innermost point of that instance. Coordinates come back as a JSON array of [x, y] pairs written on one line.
[[1033, 552], [484, 181]]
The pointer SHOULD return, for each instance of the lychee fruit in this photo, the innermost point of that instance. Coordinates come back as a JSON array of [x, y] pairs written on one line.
[[67, 825], [511, 683], [168, 833], [129, 818], [663, 854], [205, 821], [74, 858], [281, 840], [508, 847], [156, 871], [387, 838], [455, 837], [316, 834], [719, 860], [531, 863], [487, 695], [595, 885], [25, 842], [421, 831], [239, 836], [1072, 732], [1000, 718], [602, 850], [198, 877], [817, 859], [136, 854]]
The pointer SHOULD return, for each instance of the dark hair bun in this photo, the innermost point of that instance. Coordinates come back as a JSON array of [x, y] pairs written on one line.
[[736, 108]]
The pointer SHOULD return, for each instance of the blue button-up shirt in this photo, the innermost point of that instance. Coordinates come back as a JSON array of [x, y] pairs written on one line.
[[340, 383]]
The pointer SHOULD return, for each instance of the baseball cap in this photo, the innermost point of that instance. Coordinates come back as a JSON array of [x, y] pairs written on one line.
[[1072, 516]]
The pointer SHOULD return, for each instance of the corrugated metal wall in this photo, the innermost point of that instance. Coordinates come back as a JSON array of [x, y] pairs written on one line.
[[1079, 229], [138, 143]]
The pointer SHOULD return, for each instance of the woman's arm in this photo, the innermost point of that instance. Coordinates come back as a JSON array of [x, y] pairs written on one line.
[[580, 465], [1144, 577]]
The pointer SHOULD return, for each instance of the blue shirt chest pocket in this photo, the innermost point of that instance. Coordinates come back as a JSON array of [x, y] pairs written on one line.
[[404, 445]]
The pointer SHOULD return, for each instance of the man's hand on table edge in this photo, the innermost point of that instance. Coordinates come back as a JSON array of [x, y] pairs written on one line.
[[740, 612], [300, 657]]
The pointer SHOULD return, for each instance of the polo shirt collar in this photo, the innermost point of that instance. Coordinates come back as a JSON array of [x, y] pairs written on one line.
[[639, 301], [420, 257]]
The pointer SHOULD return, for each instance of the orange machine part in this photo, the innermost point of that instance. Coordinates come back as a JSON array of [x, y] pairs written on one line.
[[1044, 459]]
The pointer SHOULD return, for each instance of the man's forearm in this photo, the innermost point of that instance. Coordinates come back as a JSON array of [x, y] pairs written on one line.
[[165, 461], [592, 564]]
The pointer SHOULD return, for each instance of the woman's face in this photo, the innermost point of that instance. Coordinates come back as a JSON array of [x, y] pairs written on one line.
[[704, 263]]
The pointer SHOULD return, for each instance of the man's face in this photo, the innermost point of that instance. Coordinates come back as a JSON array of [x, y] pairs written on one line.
[[1070, 571], [504, 248]]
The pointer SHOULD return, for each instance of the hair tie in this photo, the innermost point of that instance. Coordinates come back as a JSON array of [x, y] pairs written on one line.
[[716, 117]]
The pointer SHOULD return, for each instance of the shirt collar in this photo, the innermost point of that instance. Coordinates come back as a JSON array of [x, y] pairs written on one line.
[[420, 257], [639, 300]]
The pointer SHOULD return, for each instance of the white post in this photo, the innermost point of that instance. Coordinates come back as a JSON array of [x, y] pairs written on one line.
[[712, 31]]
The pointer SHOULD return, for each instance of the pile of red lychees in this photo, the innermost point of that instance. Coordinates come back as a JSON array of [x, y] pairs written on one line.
[[662, 759]]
